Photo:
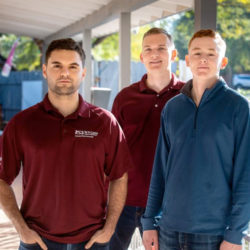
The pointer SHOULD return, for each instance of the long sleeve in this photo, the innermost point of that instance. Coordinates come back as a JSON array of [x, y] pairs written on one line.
[[157, 184], [240, 212]]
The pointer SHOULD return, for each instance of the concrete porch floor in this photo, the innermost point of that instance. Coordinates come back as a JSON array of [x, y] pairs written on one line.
[[9, 239]]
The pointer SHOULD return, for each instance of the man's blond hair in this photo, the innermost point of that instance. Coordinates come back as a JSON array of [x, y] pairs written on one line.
[[156, 31]]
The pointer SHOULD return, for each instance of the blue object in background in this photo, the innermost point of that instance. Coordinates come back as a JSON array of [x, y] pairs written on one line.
[[31, 93]]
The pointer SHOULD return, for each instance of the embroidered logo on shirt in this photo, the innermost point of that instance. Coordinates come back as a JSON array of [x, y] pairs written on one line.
[[85, 133]]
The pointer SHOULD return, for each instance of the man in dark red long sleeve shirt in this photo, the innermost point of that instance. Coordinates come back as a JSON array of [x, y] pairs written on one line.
[[137, 109]]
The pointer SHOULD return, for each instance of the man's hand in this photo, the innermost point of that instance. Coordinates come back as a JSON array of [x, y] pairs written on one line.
[[100, 236], [29, 236], [9, 205], [225, 245], [150, 238]]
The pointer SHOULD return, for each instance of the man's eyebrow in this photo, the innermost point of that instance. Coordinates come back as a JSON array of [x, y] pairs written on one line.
[[146, 46], [55, 62], [198, 48], [72, 64]]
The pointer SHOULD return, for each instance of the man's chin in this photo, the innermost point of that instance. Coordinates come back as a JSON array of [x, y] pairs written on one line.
[[155, 68], [64, 91]]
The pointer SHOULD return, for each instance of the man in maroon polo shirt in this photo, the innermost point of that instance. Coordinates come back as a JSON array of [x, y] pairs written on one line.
[[67, 148], [137, 109]]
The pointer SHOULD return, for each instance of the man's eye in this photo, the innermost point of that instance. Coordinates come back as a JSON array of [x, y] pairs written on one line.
[[162, 48], [73, 67], [56, 66], [197, 54], [211, 54]]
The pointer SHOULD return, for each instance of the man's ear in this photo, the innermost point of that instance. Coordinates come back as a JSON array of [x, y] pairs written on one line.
[[174, 54], [141, 57], [44, 71], [187, 60], [224, 62], [84, 70]]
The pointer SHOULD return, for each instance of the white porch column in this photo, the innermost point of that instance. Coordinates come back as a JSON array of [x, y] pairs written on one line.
[[87, 83], [124, 50], [205, 14], [45, 85]]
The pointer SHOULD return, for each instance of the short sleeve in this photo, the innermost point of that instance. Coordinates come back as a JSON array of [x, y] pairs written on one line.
[[118, 159], [10, 156]]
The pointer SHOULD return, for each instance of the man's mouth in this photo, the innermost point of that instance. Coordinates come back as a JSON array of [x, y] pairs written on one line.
[[203, 67], [64, 81], [155, 62]]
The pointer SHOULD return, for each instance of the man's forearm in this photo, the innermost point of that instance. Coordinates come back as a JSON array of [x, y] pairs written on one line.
[[116, 201], [9, 205]]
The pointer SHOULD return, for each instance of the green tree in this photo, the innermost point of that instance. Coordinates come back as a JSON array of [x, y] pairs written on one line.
[[108, 49], [233, 23], [183, 28], [136, 42], [27, 54]]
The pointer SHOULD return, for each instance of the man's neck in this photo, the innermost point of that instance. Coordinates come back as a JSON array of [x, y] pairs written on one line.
[[158, 80], [199, 87], [65, 104]]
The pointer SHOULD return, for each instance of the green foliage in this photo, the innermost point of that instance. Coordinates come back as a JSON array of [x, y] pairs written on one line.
[[27, 54], [108, 49], [182, 32], [246, 93], [233, 23], [236, 32], [136, 42]]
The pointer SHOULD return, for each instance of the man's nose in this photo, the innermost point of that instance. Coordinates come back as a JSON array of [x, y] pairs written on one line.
[[64, 72], [155, 53], [203, 59]]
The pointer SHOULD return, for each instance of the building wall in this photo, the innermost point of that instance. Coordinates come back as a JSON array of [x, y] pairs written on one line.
[[11, 91]]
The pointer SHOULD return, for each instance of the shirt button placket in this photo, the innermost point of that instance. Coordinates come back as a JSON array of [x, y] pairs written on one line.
[[157, 99], [64, 130]]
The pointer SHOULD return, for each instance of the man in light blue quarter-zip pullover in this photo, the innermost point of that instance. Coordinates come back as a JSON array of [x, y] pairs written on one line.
[[200, 185]]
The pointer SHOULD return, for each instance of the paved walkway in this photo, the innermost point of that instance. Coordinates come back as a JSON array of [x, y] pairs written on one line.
[[9, 239]]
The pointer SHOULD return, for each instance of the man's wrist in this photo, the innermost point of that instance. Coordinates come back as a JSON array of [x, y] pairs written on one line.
[[148, 223], [234, 237], [109, 229], [22, 230]]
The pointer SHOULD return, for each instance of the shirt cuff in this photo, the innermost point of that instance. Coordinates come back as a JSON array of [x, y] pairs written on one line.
[[234, 237], [148, 223]]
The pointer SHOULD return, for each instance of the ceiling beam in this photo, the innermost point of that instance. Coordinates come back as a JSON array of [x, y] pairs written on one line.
[[104, 15]]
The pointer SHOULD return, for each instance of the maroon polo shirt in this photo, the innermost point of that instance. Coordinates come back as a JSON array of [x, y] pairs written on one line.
[[138, 109], [0, 146], [65, 165]]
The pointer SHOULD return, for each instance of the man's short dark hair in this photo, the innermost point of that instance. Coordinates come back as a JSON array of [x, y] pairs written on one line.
[[156, 31], [66, 44]]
